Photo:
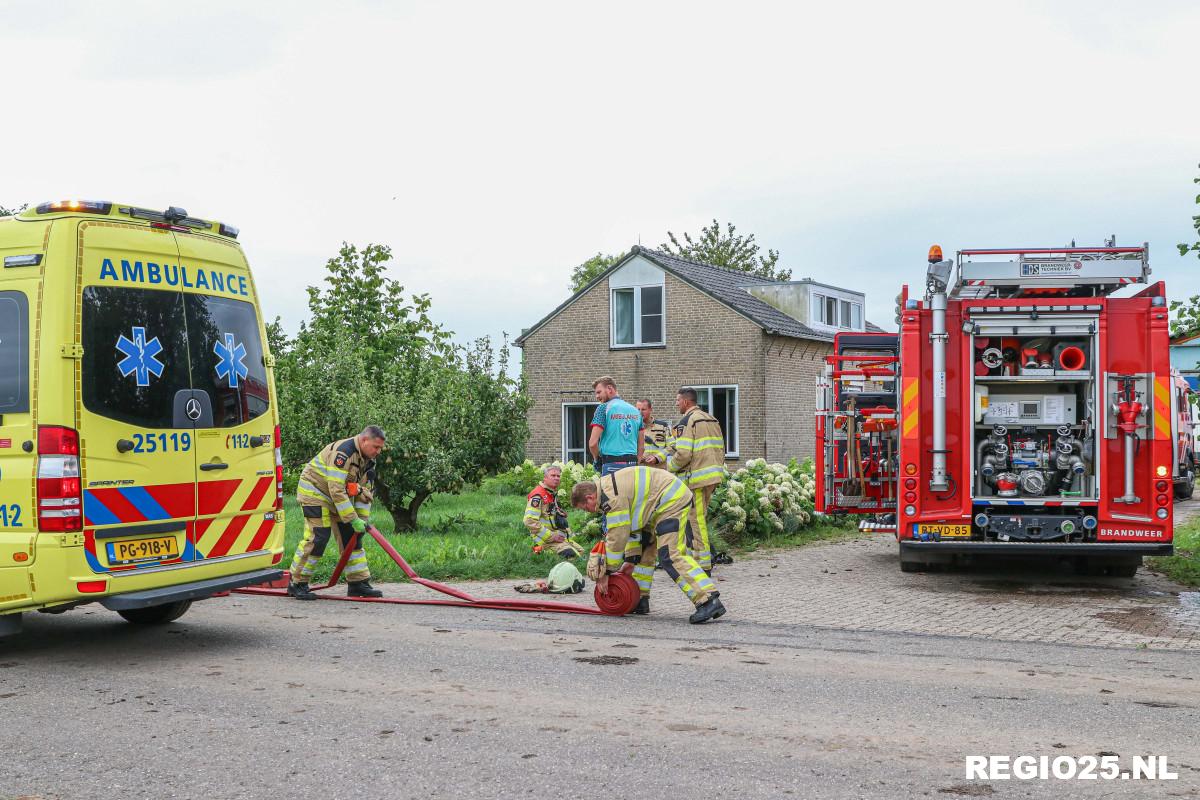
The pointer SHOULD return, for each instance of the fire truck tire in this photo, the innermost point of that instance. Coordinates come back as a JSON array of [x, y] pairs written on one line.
[[1186, 486], [919, 566], [1124, 568], [1112, 567], [156, 615]]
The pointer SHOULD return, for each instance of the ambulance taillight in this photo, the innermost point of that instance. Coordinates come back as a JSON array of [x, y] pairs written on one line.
[[60, 490], [278, 470]]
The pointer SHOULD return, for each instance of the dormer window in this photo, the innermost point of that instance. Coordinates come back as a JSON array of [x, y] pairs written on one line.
[[837, 313], [637, 303]]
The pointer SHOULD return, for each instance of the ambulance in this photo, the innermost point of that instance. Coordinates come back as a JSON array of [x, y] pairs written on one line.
[[139, 430]]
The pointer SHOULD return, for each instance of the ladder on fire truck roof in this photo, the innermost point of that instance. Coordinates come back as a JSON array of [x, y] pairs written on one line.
[[985, 273]]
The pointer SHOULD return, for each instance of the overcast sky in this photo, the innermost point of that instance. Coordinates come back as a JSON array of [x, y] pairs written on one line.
[[495, 145]]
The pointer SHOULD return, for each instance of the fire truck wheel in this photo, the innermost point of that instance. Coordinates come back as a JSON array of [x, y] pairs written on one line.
[[918, 566], [1124, 568], [1186, 486], [156, 615]]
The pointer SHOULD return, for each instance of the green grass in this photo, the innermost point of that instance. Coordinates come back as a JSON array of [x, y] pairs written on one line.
[[1184, 566], [472, 536], [479, 536]]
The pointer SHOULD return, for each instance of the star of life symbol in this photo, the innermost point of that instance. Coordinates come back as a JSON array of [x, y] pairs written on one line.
[[141, 357], [232, 355]]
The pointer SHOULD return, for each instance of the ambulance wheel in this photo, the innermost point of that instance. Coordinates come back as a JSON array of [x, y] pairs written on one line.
[[156, 615]]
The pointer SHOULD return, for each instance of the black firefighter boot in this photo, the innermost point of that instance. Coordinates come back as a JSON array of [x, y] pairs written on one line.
[[709, 609], [362, 589], [300, 590], [643, 606]]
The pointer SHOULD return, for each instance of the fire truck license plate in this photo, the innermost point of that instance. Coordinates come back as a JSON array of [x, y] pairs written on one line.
[[957, 531], [131, 550]]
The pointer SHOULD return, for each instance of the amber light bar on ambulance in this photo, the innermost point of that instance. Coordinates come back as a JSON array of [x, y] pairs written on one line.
[[59, 488], [86, 206]]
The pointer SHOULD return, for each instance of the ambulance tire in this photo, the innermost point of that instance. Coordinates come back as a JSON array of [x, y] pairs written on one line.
[[156, 615]]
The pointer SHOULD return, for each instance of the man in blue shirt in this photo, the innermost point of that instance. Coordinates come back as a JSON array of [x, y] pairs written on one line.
[[616, 439]]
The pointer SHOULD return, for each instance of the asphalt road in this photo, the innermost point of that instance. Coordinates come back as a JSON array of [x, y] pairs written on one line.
[[253, 697]]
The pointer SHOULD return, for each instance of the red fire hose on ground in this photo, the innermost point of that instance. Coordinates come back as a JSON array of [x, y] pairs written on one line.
[[461, 598]]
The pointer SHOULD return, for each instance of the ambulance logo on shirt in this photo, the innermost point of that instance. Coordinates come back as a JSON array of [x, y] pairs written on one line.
[[232, 355], [141, 357]]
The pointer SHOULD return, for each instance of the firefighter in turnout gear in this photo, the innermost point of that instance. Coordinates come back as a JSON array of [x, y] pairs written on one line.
[[342, 469], [657, 436], [645, 511], [545, 519], [698, 457]]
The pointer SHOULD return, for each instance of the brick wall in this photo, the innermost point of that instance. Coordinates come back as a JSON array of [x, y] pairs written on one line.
[[791, 370], [706, 343]]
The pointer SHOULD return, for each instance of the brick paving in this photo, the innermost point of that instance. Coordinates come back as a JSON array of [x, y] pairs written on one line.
[[857, 585]]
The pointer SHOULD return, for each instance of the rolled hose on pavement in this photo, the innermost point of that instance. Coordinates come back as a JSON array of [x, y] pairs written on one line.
[[623, 594]]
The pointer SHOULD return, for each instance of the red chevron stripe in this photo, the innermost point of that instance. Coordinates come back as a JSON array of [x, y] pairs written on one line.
[[229, 536], [214, 495], [115, 502], [177, 499], [261, 535], [256, 495]]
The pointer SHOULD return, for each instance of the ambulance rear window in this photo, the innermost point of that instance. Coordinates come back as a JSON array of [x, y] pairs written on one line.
[[134, 354], [227, 358], [14, 353]]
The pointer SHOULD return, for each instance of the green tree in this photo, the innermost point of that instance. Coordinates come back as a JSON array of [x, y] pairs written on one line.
[[585, 273], [1187, 312], [369, 354], [8, 212], [728, 249]]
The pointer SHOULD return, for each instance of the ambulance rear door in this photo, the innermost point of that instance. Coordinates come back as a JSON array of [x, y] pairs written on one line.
[[137, 408], [235, 448]]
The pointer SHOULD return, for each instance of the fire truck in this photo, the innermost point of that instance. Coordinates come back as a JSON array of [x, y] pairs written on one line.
[[1025, 407]]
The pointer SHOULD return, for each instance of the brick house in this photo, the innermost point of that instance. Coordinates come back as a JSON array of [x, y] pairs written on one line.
[[751, 347]]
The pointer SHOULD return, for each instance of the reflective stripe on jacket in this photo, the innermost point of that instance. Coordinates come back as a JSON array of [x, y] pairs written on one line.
[[541, 508], [323, 480], [633, 501], [699, 449]]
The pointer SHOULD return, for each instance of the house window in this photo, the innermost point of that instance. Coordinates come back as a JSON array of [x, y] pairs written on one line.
[[576, 417], [837, 313], [637, 316], [722, 403]]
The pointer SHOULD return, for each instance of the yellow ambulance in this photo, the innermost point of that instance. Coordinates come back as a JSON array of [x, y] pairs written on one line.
[[139, 431]]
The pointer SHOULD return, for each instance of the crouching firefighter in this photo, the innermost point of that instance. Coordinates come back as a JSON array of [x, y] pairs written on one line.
[[545, 519], [324, 493], [646, 510]]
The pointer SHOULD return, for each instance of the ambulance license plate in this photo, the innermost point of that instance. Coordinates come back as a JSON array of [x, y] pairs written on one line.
[[955, 531], [134, 550]]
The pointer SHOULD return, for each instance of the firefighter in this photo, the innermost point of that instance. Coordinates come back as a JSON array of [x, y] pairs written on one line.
[[698, 457], [324, 492], [657, 436], [545, 519], [645, 510]]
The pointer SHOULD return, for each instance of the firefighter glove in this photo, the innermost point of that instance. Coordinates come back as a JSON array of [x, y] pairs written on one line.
[[358, 525]]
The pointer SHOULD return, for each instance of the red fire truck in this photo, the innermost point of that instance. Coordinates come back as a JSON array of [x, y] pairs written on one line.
[[1024, 407]]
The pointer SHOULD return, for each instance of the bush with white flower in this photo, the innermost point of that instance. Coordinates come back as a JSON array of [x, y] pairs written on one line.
[[522, 478], [763, 499]]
